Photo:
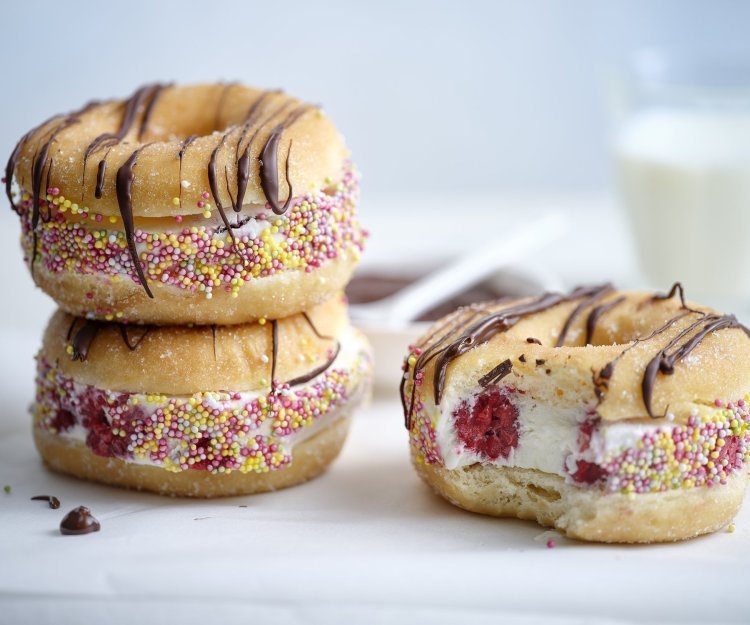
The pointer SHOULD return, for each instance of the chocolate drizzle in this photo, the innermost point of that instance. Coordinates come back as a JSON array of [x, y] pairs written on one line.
[[79, 521], [495, 323], [269, 179], [124, 188], [442, 347], [596, 313], [53, 501], [146, 95], [82, 338], [664, 361], [595, 296]]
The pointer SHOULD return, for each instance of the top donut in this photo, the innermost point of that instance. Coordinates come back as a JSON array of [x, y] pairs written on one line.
[[242, 199]]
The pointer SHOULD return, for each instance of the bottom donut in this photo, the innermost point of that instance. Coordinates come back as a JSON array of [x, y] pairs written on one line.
[[311, 458], [202, 411]]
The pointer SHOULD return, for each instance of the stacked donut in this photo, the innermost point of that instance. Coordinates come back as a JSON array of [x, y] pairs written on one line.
[[197, 240]]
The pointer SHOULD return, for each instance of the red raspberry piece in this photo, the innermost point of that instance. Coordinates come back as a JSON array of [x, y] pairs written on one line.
[[489, 426], [588, 472]]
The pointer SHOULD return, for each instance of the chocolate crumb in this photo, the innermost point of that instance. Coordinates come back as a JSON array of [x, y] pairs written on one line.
[[53, 501], [79, 521]]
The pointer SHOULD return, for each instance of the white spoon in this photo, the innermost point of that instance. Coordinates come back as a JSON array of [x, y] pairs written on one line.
[[438, 286]]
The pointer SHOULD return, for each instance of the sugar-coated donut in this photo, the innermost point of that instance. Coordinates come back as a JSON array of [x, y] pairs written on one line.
[[201, 411], [213, 203], [612, 416]]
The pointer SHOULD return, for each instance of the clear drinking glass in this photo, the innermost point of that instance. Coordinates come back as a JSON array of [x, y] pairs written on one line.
[[682, 156]]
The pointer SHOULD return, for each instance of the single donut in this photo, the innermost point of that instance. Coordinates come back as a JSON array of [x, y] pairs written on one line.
[[241, 197], [203, 411], [612, 416]]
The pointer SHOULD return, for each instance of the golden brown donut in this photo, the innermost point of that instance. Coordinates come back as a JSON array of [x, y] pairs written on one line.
[[241, 200], [612, 416], [199, 411]]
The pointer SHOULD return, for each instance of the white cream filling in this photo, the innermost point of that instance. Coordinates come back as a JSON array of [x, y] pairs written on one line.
[[548, 437]]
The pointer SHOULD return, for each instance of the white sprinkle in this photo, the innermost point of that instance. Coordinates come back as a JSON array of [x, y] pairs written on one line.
[[264, 358], [670, 416], [185, 184]]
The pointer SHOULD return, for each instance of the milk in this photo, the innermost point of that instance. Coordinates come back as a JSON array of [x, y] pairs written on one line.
[[684, 178]]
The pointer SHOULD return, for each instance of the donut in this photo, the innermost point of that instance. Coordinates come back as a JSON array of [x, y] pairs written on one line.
[[202, 411], [611, 416], [215, 203]]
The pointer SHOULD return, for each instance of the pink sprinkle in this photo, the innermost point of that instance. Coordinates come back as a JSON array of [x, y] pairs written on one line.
[[551, 544], [718, 403], [90, 295], [206, 195], [178, 219], [98, 218], [201, 204], [741, 403]]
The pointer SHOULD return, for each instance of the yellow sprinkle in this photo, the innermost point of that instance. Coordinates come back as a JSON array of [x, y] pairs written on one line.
[[176, 201], [207, 214], [112, 219], [262, 321], [731, 527]]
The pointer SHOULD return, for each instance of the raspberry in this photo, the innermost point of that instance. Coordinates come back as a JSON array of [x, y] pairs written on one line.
[[489, 426], [588, 472]]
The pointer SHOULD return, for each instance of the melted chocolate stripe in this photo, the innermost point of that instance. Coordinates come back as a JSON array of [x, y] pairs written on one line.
[[596, 314], [664, 362], [180, 155], [430, 352], [124, 188], [131, 107], [213, 185], [269, 178], [601, 380], [594, 297], [150, 109], [84, 337], [496, 323], [10, 166], [302, 379], [243, 162]]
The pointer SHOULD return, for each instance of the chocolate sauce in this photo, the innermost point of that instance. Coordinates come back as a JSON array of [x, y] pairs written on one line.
[[79, 521], [533, 341], [53, 501], [124, 189], [180, 155]]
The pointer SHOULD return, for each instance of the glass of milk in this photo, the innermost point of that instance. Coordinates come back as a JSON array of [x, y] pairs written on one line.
[[682, 153]]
